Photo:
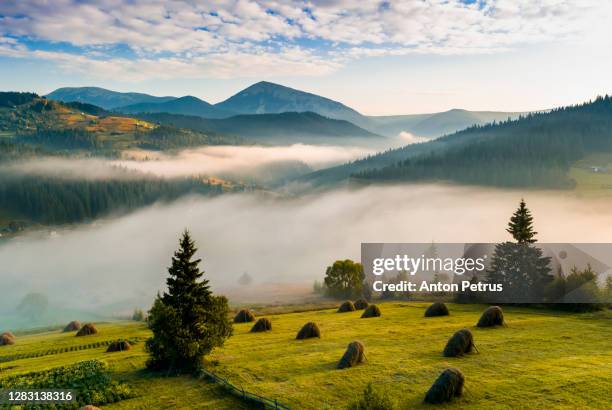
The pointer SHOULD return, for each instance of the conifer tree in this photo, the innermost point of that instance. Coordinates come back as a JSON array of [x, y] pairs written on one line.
[[521, 268], [521, 225], [187, 321]]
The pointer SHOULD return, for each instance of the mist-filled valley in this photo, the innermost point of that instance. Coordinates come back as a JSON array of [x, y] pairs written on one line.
[[283, 243]]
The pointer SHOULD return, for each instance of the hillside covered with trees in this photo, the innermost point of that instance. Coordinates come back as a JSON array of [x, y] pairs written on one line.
[[29, 119], [535, 150]]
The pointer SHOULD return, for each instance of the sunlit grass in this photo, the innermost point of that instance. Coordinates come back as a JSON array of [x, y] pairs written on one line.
[[542, 359]]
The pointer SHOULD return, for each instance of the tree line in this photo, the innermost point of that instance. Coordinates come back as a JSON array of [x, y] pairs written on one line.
[[56, 201]]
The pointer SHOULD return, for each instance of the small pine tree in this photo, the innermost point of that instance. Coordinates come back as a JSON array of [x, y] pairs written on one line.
[[187, 321], [521, 225]]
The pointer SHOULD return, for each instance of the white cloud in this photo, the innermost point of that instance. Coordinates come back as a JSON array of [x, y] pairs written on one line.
[[232, 37]]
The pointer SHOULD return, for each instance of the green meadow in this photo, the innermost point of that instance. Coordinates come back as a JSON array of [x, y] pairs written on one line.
[[542, 360]]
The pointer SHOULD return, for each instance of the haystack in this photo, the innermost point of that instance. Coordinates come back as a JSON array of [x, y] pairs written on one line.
[[310, 329], [262, 325], [361, 304], [87, 329], [353, 356], [7, 338], [493, 316], [346, 307], [118, 346], [72, 326], [371, 311], [460, 343], [436, 309], [244, 316], [90, 407], [449, 384]]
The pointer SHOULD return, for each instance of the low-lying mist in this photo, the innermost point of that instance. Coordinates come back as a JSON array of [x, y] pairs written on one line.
[[118, 264], [253, 164], [240, 162]]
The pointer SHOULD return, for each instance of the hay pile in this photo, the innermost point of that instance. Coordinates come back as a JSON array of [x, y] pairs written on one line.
[[7, 338], [493, 316], [72, 326], [310, 329], [353, 356], [371, 311], [436, 309], [346, 307], [244, 316], [449, 384], [262, 325], [361, 304], [460, 343], [87, 329], [89, 407], [119, 346]]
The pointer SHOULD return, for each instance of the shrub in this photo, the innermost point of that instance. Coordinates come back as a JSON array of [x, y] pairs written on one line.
[[90, 380], [372, 400]]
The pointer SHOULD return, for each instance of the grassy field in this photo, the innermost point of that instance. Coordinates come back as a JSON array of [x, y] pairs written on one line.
[[542, 359], [590, 183]]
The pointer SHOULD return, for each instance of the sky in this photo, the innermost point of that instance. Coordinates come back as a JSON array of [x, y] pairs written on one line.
[[379, 57]]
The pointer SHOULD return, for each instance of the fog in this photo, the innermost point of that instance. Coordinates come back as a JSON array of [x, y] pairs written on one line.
[[240, 162], [256, 164], [283, 243], [408, 138]]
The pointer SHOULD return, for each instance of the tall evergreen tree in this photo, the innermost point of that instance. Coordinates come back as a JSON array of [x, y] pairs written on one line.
[[187, 321], [521, 268], [521, 225]]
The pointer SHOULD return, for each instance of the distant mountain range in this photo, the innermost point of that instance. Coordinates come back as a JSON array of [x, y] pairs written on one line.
[[437, 124], [269, 98], [104, 98], [187, 105]]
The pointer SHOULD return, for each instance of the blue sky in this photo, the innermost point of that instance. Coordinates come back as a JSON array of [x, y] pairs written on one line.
[[391, 57]]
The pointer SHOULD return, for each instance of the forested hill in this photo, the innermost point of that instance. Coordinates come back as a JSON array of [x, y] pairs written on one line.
[[287, 127], [534, 151], [30, 119]]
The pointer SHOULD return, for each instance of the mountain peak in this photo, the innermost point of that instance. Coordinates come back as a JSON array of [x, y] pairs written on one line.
[[265, 97]]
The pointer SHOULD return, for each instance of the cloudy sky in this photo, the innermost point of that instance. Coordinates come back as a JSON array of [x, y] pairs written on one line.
[[380, 57]]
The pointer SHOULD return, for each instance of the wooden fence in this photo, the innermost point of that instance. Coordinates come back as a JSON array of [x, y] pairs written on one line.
[[245, 395]]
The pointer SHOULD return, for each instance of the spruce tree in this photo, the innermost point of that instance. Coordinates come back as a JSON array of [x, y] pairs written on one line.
[[521, 268], [521, 225], [187, 321]]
